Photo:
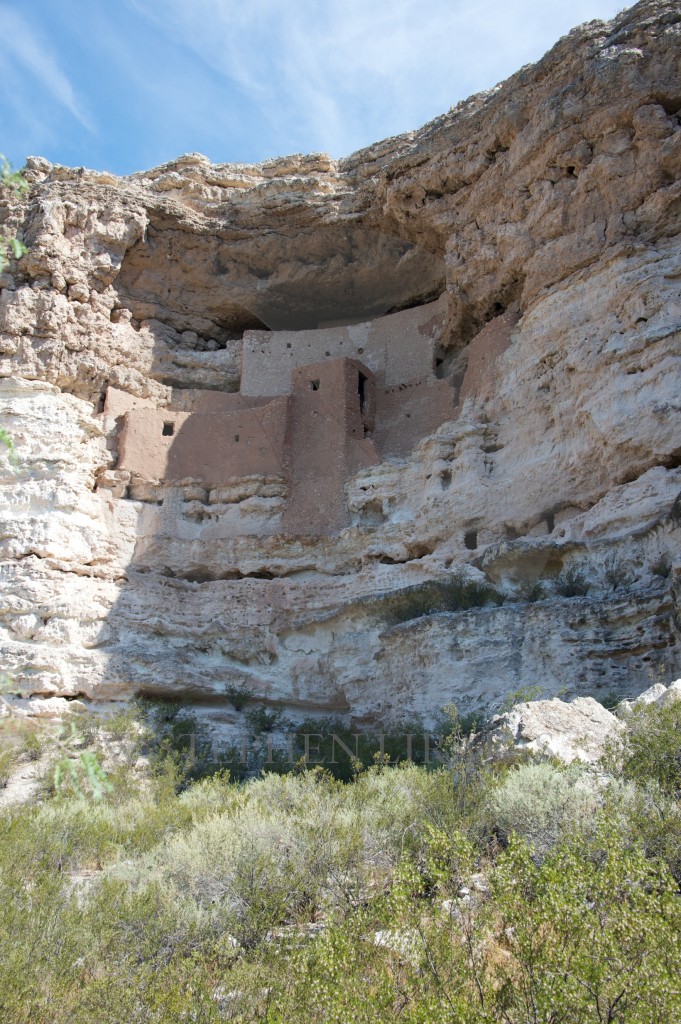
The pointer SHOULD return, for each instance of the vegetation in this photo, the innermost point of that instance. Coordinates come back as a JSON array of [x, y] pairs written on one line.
[[572, 583], [13, 181], [479, 890], [455, 593]]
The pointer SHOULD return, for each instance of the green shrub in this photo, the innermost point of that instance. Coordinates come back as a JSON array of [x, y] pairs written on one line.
[[610, 700], [32, 745], [572, 582], [532, 591], [237, 696], [453, 594], [617, 574], [540, 803], [344, 753], [298, 898], [662, 566], [8, 758], [13, 181], [178, 745], [649, 750], [650, 818], [520, 696], [260, 719]]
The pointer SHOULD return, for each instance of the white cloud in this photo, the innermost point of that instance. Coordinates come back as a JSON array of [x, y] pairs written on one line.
[[23, 46], [339, 74]]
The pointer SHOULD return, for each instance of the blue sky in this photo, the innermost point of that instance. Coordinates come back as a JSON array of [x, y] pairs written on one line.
[[123, 85]]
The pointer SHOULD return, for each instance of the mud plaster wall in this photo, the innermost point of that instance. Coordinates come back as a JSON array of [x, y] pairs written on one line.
[[210, 446], [409, 412], [483, 353], [327, 443], [398, 348]]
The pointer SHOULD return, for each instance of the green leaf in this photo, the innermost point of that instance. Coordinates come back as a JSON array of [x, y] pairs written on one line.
[[18, 248]]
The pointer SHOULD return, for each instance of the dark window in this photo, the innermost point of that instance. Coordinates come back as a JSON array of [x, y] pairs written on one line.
[[168, 429], [102, 399], [470, 539], [236, 437], [314, 385], [361, 388]]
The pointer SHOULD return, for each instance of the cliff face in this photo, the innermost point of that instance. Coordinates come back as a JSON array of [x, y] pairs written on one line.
[[508, 512]]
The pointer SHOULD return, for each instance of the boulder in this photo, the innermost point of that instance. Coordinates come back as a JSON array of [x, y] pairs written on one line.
[[578, 730]]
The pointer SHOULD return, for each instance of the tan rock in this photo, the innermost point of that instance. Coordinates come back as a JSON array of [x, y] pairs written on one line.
[[508, 275]]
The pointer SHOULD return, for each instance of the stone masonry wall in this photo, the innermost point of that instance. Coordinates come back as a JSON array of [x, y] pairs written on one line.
[[397, 348]]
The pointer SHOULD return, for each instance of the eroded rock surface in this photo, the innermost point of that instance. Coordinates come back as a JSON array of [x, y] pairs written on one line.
[[575, 731], [516, 515]]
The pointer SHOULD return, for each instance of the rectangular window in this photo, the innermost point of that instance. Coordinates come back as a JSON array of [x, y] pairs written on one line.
[[361, 389], [168, 428]]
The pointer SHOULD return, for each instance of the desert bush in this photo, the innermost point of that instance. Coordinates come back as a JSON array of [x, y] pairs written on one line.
[[456, 593], [532, 591], [617, 574], [662, 566], [343, 752], [588, 935], [649, 749], [572, 582], [300, 898], [520, 696], [610, 700], [238, 696], [8, 757], [261, 719], [12, 181], [649, 817], [178, 745], [32, 744], [540, 802]]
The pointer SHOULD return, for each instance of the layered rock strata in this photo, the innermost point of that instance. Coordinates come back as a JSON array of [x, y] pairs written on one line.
[[507, 280]]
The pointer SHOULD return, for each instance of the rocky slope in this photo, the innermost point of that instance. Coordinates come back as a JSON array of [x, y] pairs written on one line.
[[533, 538]]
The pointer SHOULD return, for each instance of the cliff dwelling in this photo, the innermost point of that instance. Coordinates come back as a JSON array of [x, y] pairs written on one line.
[[360, 436], [314, 407]]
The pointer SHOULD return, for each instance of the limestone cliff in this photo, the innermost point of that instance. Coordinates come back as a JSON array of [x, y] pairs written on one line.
[[502, 506]]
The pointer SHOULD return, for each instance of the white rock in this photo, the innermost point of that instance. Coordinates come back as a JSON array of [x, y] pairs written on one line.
[[578, 730]]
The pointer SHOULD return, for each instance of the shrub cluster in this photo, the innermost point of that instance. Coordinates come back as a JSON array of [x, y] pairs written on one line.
[[482, 890], [453, 594]]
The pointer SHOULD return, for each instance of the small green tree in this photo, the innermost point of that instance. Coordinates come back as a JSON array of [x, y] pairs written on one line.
[[15, 182]]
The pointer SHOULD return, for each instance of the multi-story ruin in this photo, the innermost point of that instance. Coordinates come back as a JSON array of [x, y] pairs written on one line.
[[314, 407]]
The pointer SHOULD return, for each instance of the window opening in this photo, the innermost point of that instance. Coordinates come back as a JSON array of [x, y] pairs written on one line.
[[361, 388]]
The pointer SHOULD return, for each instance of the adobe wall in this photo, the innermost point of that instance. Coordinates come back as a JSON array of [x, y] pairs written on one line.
[[483, 353], [397, 348], [212, 447], [196, 401], [118, 403], [327, 443], [407, 413]]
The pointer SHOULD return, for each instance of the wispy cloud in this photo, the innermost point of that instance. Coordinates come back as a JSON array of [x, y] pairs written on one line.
[[23, 46], [331, 75]]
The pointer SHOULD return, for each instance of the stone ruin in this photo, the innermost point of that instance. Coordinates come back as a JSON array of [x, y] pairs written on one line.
[[314, 407], [276, 423]]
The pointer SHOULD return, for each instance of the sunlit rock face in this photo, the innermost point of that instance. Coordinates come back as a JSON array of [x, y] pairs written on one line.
[[359, 438]]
